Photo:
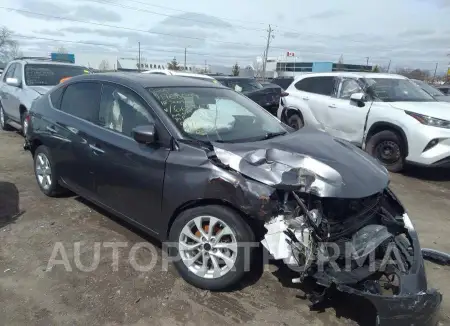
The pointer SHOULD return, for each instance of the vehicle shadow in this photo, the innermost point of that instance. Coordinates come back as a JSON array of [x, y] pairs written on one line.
[[345, 305], [135, 231], [427, 173], [9, 203]]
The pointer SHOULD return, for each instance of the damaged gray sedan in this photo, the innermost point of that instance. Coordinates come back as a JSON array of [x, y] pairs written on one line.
[[213, 175]]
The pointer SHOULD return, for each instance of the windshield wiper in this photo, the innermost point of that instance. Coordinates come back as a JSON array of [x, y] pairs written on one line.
[[270, 135]]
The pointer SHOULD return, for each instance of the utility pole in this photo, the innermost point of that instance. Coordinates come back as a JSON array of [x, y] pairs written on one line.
[[184, 58], [269, 35], [367, 61], [389, 66], [435, 71], [139, 58]]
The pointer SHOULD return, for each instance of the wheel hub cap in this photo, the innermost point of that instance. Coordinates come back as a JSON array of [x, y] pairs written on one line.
[[208, 247], [43, 171], [388, 152]]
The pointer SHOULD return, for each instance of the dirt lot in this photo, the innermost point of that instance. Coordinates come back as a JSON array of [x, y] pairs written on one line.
[[31, 295]]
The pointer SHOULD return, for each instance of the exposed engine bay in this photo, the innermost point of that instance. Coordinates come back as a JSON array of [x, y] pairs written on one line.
[[364, 246]]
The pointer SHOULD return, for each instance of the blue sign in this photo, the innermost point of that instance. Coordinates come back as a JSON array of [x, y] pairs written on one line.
[[63, 57]]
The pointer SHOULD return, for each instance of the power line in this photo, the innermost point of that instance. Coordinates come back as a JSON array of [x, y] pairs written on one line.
[[122, 27], [180, 36], [189, 12], [171, 16], [126, 49]]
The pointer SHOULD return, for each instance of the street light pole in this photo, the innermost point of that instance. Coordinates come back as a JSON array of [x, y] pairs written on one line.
[[267, 51]]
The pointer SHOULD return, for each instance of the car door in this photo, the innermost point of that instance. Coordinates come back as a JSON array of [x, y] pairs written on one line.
[[129, 176], [347, 118], [69, 131], [16, 93], [315, 92], [7, 90]]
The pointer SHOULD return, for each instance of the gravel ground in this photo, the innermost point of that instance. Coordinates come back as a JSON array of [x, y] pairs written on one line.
[[119, 295]]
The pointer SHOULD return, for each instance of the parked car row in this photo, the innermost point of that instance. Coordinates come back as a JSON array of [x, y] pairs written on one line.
[[202, 167]]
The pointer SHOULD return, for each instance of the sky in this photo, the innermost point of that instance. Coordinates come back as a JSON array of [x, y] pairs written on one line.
[[410, 33]]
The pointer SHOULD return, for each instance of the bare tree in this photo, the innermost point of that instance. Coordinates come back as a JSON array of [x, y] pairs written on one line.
[[9, 48], [104, 65], [413, 73], [340, 64], [61, 49]]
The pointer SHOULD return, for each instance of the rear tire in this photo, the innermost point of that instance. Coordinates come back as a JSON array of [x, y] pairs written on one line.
[[46, 176], [230, 246], [387, 146], [3, 119], [295, 121]]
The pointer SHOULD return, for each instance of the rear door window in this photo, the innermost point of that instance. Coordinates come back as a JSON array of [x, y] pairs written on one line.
[[322, 85], [82, 100]]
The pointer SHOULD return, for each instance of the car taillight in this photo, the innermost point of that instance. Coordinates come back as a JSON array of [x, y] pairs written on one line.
[[284, 94]]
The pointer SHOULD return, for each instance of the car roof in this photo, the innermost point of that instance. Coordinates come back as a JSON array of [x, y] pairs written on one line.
[[372, 75], [45, 62], [147, 80], [232, 77], [177, 73]]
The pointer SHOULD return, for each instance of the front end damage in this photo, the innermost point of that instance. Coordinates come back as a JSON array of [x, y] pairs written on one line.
[[362, 245]]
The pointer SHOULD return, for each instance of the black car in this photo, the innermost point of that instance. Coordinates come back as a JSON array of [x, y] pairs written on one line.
[[267, 96], [283, 81], [433, 91], [205, 170]]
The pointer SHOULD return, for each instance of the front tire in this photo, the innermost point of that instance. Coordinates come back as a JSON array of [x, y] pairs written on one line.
[[3, 118], [388, 148], [209, 243], [46, 176]]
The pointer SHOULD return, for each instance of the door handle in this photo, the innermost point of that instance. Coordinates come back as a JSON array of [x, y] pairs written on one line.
[[51, 129], [306, 98], [332, 106], [96, 149]]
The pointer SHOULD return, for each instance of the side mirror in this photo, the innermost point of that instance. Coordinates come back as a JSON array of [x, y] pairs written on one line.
[[145, 134], [359, 98], [13, 82]]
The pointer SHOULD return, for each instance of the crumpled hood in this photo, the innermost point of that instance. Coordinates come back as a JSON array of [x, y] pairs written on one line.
[[41, 89], [308, 160], [440, 110]]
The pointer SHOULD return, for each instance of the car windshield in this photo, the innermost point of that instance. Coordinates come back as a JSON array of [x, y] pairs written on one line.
[[217, 114], [428, 88], [243, 85], [50, 75], [396, 90]]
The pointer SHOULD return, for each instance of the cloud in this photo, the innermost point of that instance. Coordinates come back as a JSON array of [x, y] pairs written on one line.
[[330, 13], [49, 32], [291, 35], [40, 10], [416, 32]]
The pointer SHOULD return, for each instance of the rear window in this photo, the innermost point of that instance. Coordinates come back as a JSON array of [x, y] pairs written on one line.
[[50, 75], [283, 82]]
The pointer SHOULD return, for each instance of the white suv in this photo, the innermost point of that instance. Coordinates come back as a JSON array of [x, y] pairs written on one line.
[[387, 115]]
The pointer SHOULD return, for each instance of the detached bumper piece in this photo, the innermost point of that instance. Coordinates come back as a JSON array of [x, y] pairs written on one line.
[[420, 309]]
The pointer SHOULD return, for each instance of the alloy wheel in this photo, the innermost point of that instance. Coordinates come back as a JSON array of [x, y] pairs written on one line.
[[208, 247], [43, 171]]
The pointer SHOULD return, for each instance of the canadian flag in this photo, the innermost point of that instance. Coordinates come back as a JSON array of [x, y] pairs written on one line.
[[290, 54]]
